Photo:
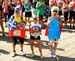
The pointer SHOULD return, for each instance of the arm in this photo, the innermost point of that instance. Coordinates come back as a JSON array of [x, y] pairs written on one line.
[[38, 5], [49, 20], [23, 20], [3, 5]]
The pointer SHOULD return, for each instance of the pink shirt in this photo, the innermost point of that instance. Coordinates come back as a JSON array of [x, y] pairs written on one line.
[[5, 4]]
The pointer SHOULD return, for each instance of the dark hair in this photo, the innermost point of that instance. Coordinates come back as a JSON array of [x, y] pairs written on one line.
[[55, 11], [17, 11]]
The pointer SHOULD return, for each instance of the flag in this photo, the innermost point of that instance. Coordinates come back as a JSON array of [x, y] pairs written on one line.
[[46, 30], [11, 24]]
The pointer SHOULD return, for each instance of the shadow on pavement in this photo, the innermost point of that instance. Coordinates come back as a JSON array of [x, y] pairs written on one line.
[[5, 38], [68, 30], [9, 39], [4, 51], [44, 44], [34, 58], [71, 36], [60, 58], [60, 49]]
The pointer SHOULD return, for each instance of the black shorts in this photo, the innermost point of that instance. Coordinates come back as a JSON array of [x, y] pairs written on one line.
[[33, 38], [28, 14], [21, 40], [60, 13], [74, 14], [65, 15], [70, 14], [50, 12], [11, 12], [6, 17]]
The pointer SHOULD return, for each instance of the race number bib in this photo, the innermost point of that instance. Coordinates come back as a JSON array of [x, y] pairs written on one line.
[[17, 33]]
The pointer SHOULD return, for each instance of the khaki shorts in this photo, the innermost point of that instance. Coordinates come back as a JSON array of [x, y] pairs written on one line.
[[53, 41]]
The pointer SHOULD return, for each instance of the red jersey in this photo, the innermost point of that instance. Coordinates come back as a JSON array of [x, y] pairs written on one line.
[[72, 4]]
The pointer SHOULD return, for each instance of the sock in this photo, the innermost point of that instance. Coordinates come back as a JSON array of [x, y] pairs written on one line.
[[54, 52], [14, 51], [21, 50]]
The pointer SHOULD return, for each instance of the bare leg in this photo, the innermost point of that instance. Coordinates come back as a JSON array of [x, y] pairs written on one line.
[[39, 46], [70, 20], [21, 45], [51, 45], [55, 46], [32, 44], [29, 19], [14, 46], [66, 22], [73, 23], [2, 28]]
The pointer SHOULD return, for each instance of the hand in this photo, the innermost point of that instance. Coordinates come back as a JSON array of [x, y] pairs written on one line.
[[17, 27]]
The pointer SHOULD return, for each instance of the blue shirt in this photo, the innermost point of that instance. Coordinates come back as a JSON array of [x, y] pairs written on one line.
[[47, 10], [54, 29], [27, 6]]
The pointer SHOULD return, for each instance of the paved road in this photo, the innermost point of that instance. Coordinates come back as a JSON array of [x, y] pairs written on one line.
[[65, 50]]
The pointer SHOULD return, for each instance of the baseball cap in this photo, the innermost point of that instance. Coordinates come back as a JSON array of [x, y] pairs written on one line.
[[54, 9], [17, 9]]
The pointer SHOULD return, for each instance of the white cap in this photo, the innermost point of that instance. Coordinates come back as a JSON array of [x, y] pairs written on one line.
[[54, 8]]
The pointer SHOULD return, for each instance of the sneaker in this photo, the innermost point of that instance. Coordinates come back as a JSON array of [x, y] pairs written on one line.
[[13, 54], [32, 55], [28, 23], [3, 34], [22, 53], [53, 54], [41, 57]]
